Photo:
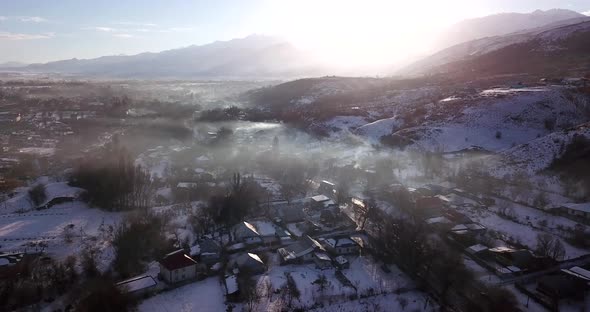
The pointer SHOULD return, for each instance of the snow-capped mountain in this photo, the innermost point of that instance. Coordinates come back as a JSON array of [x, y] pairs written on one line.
[[256, 57], [501, 24], [524, 51]]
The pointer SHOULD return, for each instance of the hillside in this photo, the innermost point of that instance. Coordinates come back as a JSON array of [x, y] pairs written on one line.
[[539, 154], [446, 118], [541, 50], [501, 24], [255, 57], [496, 119]]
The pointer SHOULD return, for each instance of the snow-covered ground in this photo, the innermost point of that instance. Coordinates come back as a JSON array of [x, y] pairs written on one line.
[[525, 233], [203, 296], [364, 274], [375, 130], [498, 119], [534, 156], [60, 231]]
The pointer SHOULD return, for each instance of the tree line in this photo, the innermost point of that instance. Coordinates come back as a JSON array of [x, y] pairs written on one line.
[[112, 181]]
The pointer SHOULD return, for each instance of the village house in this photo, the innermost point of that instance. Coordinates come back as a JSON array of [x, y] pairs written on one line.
[[327, 188], [322, 260], [572, 283], [320, 202], [343, 245], [467, 233], [299, 252], [341, 263], [426, 207], [261, 231], [290, 213], [210, 251], [246, 233], [248, 262], [232, 290], [581, 211], [517, 260], [177, 267]]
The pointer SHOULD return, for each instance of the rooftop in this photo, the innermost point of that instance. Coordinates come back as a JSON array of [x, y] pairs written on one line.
[[584, 207], [136, 283], [231, 284], [177, 260], [340, 242], [320, 198], [476, 248]]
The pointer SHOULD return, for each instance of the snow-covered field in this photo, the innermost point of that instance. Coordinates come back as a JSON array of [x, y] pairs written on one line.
[[203, 296], [364, 274], [60, 231], [523, 230]]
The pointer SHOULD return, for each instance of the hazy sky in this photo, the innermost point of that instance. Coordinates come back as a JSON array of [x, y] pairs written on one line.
[[42, 30]]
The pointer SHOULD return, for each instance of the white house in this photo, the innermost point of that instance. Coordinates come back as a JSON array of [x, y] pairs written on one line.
[[341, 245], [177, 266]]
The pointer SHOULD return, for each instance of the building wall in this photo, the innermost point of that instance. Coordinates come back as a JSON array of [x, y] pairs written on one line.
[[179, 275]]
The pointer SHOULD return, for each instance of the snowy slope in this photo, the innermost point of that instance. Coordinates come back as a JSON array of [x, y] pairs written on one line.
[[505, 48], [375, 130], [498, 119], [538, 154]]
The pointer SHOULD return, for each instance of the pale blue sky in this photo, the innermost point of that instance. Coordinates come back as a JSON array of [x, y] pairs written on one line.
[[42, 30]]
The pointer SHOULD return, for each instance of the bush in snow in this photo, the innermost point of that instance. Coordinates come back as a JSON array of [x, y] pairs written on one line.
[[38, 194]]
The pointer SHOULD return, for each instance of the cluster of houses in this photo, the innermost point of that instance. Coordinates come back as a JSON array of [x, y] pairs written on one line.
[[566, 286], [437, 207], [311, 231]]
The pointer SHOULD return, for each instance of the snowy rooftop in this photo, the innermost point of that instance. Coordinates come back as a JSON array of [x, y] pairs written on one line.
[[437, 220], [584, 207], [341, 260], [136, 283], [322, 256], [186, 184], [320, 198], [339, 242], [264, 228], [578, 272], [476, 248], [470, 226], [231, 283]]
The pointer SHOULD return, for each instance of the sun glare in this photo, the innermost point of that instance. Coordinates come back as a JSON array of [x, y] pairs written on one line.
[[346, 33]]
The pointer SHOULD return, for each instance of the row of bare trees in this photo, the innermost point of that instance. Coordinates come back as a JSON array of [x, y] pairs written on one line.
[[113, 181]]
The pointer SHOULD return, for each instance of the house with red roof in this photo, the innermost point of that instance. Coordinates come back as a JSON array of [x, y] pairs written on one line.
[[177, 266]]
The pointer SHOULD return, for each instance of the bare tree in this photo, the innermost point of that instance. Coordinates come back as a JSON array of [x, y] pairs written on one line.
[[549, 246]]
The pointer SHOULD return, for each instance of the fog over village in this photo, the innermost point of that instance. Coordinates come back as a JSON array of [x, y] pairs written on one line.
[[293, 166]]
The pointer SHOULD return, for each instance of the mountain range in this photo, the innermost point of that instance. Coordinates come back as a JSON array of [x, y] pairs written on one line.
[[251, 57], [501, 24], [496, 37]]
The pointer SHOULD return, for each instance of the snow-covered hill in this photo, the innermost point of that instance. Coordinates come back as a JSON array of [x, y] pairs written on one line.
[[530, 48], [501, 24], [537, 155], [499, 119]]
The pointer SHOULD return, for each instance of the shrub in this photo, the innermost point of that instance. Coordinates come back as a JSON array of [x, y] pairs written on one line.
[[38, 194]]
